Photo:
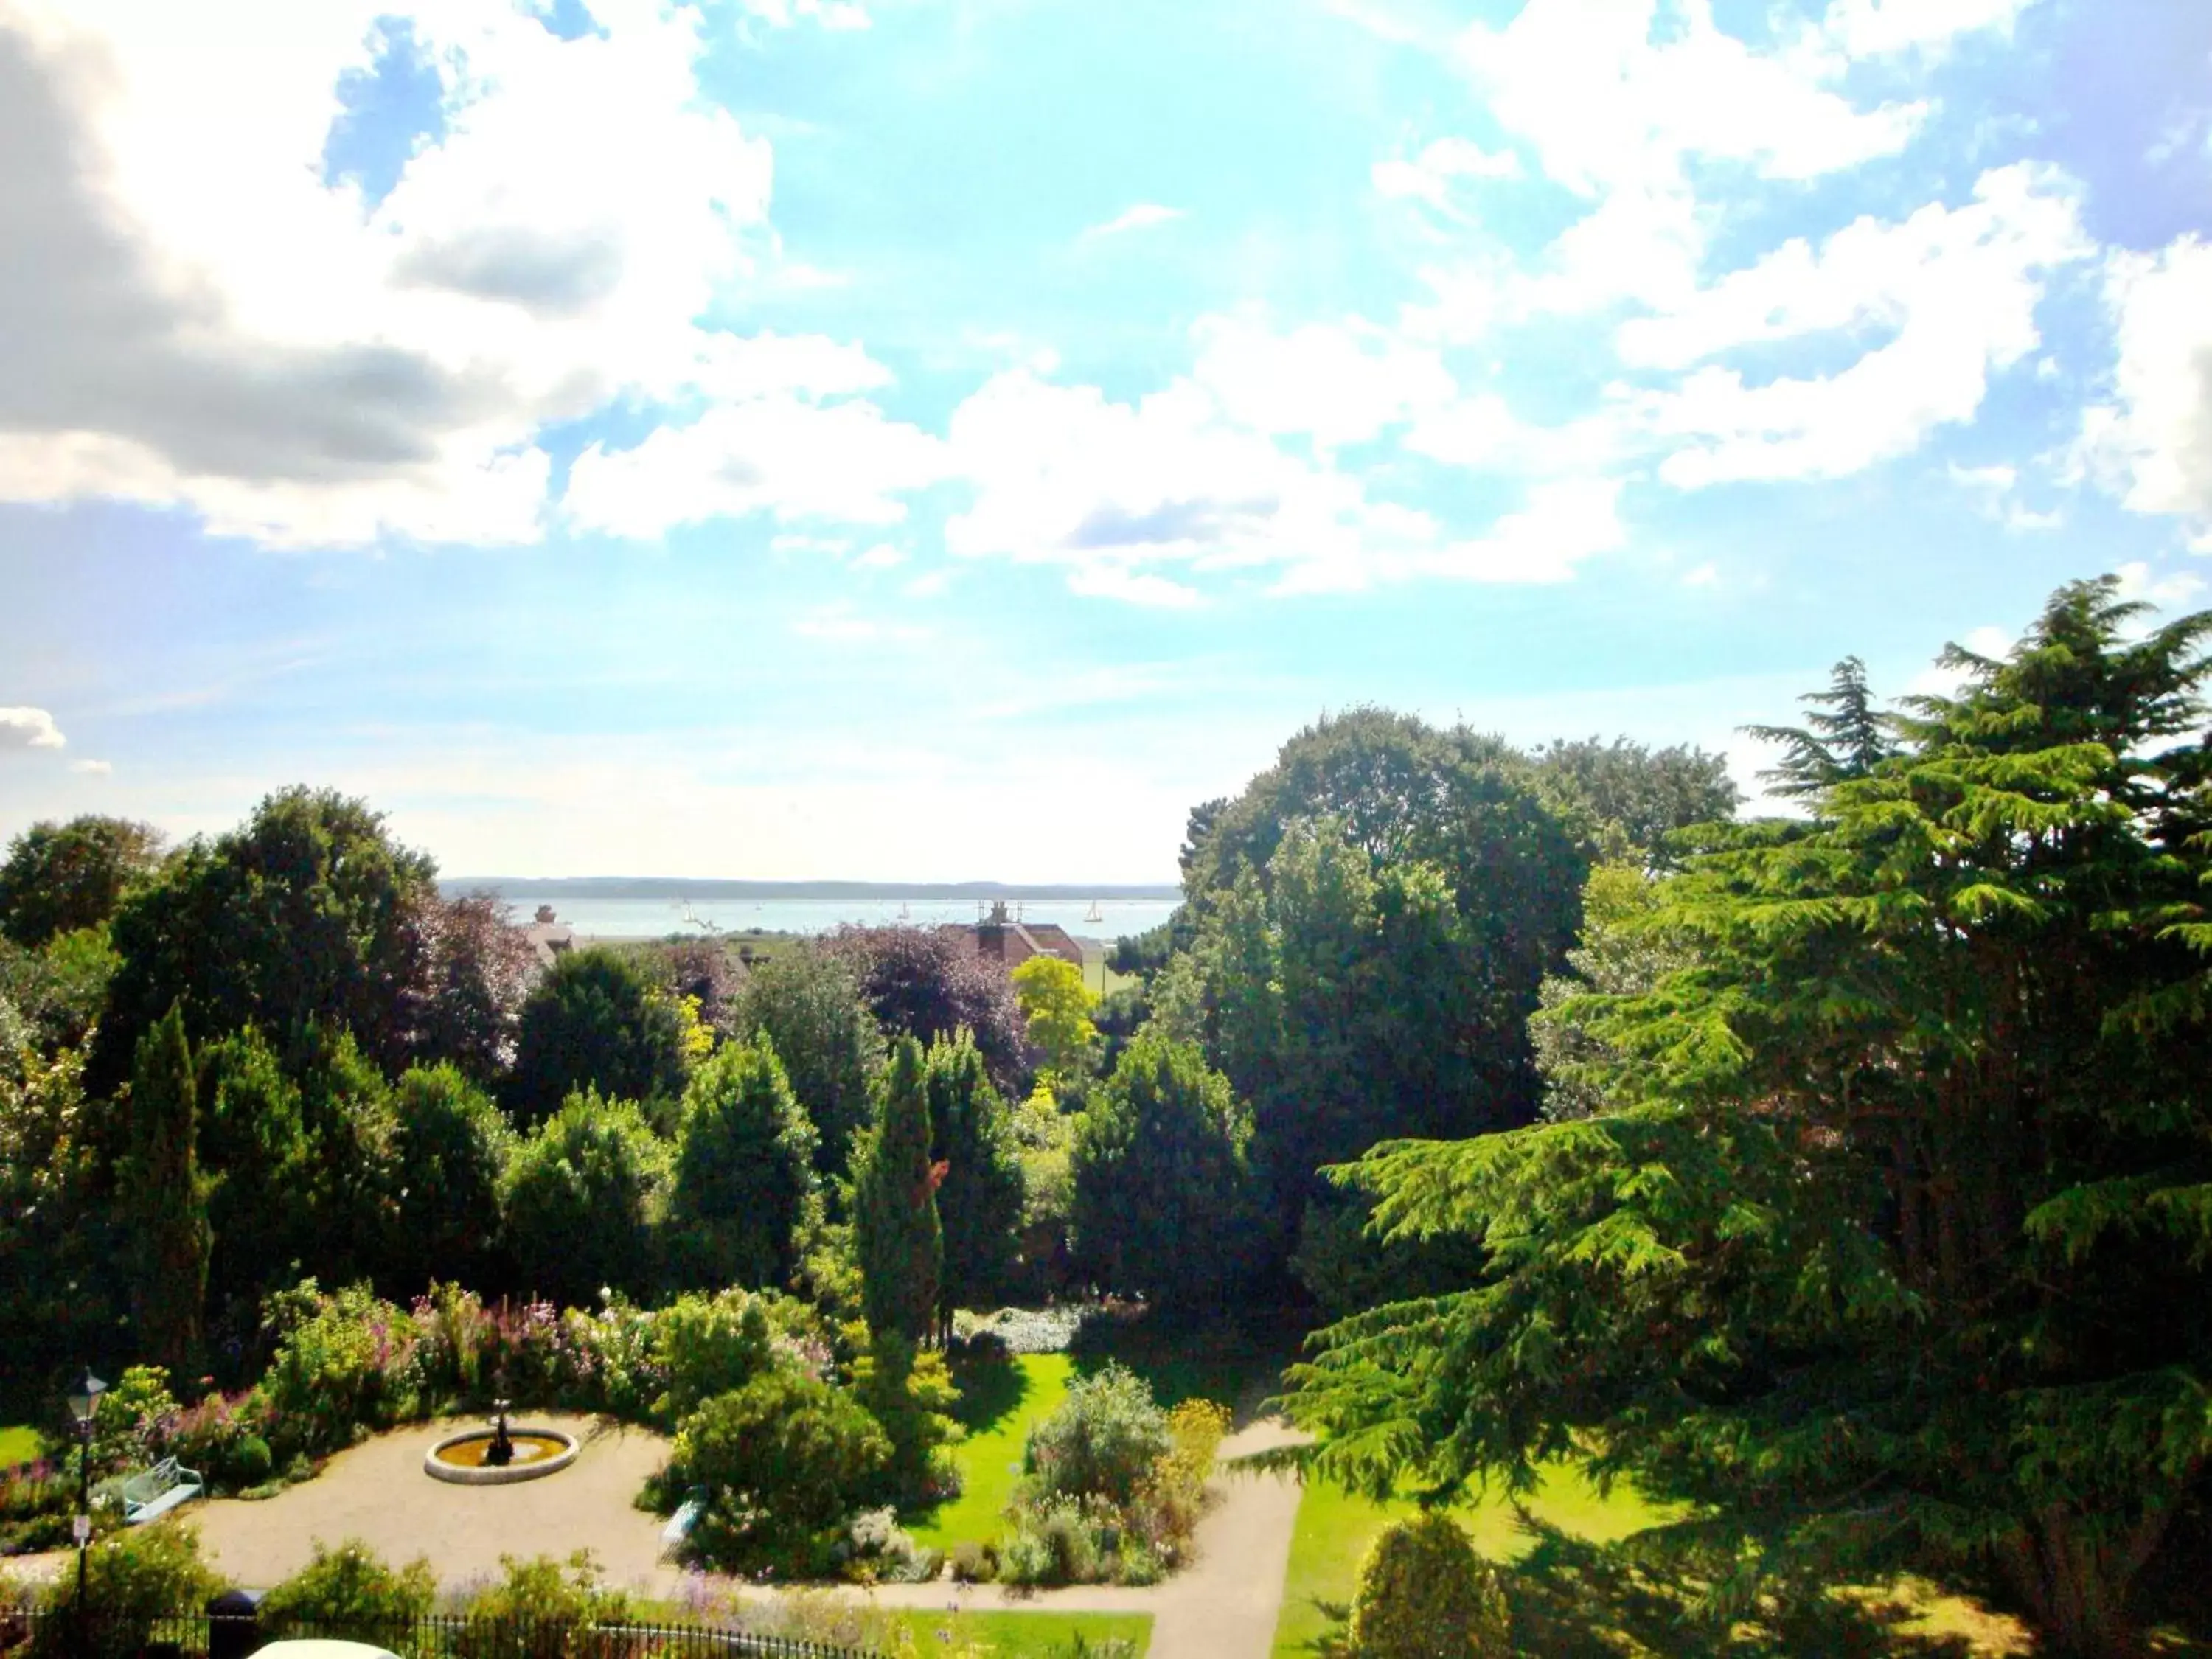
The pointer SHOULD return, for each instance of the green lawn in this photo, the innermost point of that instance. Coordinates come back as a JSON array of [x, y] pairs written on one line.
[[1334, 1529], [19, 1443], [1028, 1635], [998, 1404]]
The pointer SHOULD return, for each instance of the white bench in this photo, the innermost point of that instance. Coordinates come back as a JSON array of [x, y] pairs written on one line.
[[680, 1523], [152, 1494]]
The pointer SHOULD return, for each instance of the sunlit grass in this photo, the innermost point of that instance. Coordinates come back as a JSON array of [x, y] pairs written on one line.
[[1334, 1529], [998, 1405], [1024, 1634]]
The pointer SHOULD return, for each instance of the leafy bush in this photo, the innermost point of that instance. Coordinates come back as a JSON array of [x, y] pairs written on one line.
[[133, 1422], [879, 1551], [974, 1563], [545, 1609], [912, 1395], [350, 1593], [134, 1578], [595, 1023], [581, 1198], [1061, 1540], [221, 1438], [1103, 1441], [1168, 1502], [782, 1461], [336, 1358], [1424, 1594], [708, 1345]]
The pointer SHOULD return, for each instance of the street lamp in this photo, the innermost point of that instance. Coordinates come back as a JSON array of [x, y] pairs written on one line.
[[84, 1406]]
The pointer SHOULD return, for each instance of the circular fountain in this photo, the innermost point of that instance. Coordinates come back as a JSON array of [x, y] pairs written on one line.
[[498, 1455]]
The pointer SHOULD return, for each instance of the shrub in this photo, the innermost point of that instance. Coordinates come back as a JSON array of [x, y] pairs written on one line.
[[134, 1420], [879, 1551], [708, 1345], [1103, 1441], [135, 1578], [1168, 1502], [350, 1593], [544, 1609], [221, 1438], [595, 1021], [336, 1358], [1424, 1594], [581, 1198], [1059, 1540], [912, 1396], [974, 1563], [783, 1461]]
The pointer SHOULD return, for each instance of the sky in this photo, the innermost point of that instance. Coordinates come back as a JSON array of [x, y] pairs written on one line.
[[945, 440]]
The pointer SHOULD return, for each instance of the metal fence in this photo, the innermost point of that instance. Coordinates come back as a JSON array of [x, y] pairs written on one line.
[[62, 1633]]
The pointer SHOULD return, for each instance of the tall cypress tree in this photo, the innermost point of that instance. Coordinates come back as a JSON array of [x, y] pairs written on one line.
[[164, 1196], [1844, 737], [980, 1201], [901, 1243]]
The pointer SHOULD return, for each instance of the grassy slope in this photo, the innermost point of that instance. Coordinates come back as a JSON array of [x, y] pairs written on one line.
[[998, 1422], [1029, 1635], [19, 1443], [1334, 1529]]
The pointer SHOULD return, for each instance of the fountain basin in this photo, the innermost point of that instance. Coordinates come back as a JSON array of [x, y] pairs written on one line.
[[459, 1458]]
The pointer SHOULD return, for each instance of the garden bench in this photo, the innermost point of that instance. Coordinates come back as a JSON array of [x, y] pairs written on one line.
[[680, 1523], [153, 1493]]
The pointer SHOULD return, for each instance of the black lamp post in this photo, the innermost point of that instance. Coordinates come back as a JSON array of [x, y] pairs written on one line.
[[84, 1406]]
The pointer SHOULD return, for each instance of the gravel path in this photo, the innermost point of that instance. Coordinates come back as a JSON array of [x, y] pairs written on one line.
[[376, 1492]]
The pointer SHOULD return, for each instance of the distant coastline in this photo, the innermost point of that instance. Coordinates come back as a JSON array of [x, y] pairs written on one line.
[[674, 888]]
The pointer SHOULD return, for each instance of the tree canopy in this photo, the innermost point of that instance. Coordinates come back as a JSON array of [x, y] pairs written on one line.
[[596, 1020], [1893, 1239], [58, 878], [896, 1226], [808, 1004], [928, 983], [310, 912], [745, 1171]]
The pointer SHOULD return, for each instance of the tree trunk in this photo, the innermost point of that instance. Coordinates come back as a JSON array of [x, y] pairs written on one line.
[[2075, 1585]]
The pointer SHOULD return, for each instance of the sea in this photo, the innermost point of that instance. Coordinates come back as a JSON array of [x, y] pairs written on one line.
[[654, 918]]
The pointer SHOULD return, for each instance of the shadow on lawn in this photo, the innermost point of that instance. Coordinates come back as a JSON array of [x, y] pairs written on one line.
[[1645, 1597], [992, 1388], [1233, 1366]]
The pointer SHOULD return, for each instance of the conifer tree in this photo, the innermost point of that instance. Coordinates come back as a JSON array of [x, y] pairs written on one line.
[[1896, 1242], [896, 1226], [1846, 738], [979, 1202], [745, 1171], [165, 1197]]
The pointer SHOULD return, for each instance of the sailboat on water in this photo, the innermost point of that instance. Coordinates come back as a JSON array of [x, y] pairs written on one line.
[[1094, 914]]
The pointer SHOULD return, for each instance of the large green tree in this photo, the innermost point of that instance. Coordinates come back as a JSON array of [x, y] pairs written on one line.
[[163, 1197], [897, 1230], [1161, 1181], [596, 1021], [309, 913], [979, 1202], [58, 878], [808, 1004], [1896, 1239], [450, 1148], [1642, 794], [744, 1172]]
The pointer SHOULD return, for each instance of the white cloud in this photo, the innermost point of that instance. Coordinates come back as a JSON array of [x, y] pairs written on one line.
[[1429, 176], [1142, 216], [882, 556], [2175, 588], [1995, 490], [836, 15], [1707, 574], [841, 625], [209, 325], [93, 768], [778, 455], [1871, 29], [2151, 444], [1114, 491], [1338, 382], [1955, 290], [1620, 91], [29, 728]]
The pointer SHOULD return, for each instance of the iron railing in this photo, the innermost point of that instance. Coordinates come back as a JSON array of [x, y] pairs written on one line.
[[59, 1633]]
